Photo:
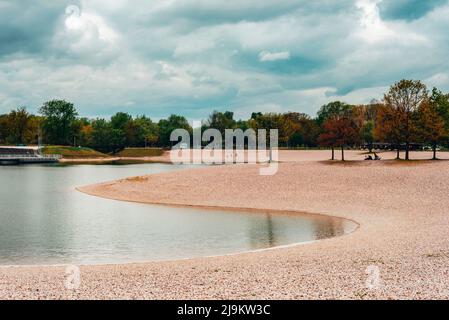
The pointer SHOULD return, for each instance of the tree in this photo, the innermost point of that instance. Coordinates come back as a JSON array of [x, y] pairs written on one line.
[[106, 138], [404, 99], [166, 127], [59, 117], [272, 120], [368, 134], [119, 120], [17, 124], [431, 125], [85, 137], [328, 138], [441, 102], [32, 130], [140, 132], [221, 121], [332, 110], [305, 130], [340, 132], [387, 128], [82, 132], [4, 130]]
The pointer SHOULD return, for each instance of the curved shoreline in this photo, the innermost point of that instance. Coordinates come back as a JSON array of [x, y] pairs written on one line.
[[221, 208], [232, 210], [404, 232]]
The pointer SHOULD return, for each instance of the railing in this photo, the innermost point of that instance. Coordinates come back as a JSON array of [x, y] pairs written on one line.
[[31, 156]]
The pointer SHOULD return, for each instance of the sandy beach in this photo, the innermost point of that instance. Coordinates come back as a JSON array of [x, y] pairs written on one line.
[[401, 208]]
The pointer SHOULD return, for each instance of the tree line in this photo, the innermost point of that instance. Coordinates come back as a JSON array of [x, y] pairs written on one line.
[[408, 114]]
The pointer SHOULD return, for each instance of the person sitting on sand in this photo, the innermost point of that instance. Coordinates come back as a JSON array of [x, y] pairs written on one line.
[[369, 158], [376, 157]]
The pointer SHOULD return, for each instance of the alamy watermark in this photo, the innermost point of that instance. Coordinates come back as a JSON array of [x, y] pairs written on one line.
[[239, 146], [373, 281], [72, 281]]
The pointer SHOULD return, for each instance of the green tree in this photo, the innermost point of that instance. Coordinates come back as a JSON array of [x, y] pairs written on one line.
[[271, 120], [58, 124], [335, 109], [221, 121], [140, 132], [368, 134], [106, 138], [17, 125], [305, 130], [431, 125], [166, 127], [147, 131], [404, 99], [4, 130], [32, 130], [441, 102], [119, 120], [81, 128]]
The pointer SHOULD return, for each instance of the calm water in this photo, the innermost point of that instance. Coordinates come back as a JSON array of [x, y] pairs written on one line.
[[44, 220]]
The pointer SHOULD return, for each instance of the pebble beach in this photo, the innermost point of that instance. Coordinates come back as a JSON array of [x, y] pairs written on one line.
[[399, 251]]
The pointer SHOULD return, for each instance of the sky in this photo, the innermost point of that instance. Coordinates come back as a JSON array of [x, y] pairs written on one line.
[[190, 57]]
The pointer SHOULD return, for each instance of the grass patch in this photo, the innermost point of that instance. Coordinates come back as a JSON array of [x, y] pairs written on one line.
[[440, 254], [137, 179], [73, 152], [140, 152]]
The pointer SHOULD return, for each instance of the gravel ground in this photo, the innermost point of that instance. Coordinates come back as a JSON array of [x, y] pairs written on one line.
[[400, 251]]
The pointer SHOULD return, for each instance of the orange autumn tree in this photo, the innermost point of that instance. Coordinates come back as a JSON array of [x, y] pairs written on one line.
[[328, 137], [340, 132], [431, 125], [388, 127], [326, 117]]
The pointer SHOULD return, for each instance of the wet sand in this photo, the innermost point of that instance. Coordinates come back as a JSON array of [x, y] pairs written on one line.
[[402, 209]]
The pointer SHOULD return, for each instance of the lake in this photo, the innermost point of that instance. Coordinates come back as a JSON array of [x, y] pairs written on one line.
[[44, 220]]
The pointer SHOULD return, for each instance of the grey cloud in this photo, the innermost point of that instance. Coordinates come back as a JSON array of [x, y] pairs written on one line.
[[27, 26], [408, 9], [192, 56]]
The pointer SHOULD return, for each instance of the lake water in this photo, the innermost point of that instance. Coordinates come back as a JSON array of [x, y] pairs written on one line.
[[44, 220]]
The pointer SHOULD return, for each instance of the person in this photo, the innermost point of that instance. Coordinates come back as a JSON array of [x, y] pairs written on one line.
[[376, 157], [369, 158]]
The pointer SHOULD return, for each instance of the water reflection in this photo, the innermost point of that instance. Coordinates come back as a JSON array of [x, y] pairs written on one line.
[[279, 229], [43, 220]]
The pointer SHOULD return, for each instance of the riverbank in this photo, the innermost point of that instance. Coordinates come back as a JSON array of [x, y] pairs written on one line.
[[401, 208]]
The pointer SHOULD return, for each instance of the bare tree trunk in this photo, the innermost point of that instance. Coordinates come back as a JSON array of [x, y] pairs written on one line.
[[333, 153], [342, 153], [407, 147], [397, 154], [434, 147]]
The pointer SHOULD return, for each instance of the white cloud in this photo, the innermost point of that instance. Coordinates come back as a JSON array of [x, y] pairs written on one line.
[[274, 56], [89, 24], [374, 30], [191, 56]]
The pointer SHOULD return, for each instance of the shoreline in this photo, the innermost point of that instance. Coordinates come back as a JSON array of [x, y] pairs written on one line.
[[111, 160], [209, 207], [403, 230], [352, 156]]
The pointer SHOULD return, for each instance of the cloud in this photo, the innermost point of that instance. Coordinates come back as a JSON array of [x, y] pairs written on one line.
[[274, 56], [408, 9], [193, 56], [88, 23]]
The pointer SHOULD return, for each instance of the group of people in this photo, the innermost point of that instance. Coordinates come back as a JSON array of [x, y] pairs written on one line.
[[376, 157]]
